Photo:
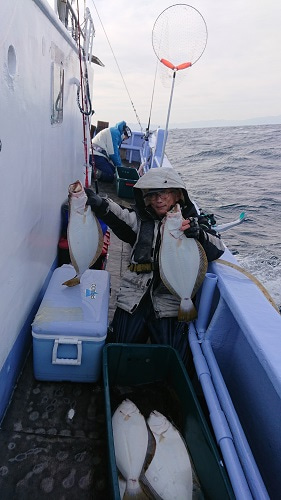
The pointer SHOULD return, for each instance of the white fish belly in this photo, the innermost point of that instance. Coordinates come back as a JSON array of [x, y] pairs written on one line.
[[84, 239], [170, 472], [130, 442], [179, 263]]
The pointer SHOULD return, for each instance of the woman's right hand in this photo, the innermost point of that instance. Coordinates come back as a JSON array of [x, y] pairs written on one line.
[[94, 200]]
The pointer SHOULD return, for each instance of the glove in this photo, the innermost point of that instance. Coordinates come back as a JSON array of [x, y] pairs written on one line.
[[194, 229], [94, 200]]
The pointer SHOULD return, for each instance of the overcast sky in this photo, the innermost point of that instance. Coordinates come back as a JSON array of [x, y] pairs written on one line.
[[238, 76]]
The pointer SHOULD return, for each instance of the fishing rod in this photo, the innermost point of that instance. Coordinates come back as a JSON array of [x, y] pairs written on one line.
[[179, 38], [86, 106], [152, 99]]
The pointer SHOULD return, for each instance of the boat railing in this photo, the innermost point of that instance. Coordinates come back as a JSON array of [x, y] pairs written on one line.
[[132, 147], [151, 151], [157, 145], [69, 18], [233, 343]]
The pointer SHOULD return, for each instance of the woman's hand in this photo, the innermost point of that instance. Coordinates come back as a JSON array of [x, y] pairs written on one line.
[[185, 224], [190, 227], [94, 200]]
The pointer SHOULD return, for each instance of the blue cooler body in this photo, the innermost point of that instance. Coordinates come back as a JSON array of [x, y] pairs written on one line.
[[70, 327]]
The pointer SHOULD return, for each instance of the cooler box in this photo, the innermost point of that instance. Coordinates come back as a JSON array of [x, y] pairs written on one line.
[[126, 178], [70, 327], [129, 370]]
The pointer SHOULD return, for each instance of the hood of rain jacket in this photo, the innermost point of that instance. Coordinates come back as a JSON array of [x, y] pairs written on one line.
[[159, 178]]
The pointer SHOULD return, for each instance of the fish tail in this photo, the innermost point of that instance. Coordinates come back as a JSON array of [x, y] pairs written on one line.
[[187, 311], [72, 282], [134, 491]]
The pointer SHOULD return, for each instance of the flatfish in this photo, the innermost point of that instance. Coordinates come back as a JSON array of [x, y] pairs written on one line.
[[130, 436], [182, 262], [169, 475], [84, 233]]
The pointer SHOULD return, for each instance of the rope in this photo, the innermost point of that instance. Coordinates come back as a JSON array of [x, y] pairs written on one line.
[[137, 117]]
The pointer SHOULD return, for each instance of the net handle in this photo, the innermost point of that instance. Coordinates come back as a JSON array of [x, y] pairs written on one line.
[[175, 69], [168, 118]]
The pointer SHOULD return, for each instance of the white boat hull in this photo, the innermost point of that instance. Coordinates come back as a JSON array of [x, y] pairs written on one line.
[[39, 159]]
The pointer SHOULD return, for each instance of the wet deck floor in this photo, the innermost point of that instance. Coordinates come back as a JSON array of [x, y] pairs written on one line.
[[53, 441]]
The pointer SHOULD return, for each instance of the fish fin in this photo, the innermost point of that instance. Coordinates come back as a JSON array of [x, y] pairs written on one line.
[[148, 488], [72, 258], [151, 448], [134, 491], [187, 311], [72, 282], [162, 437], [100, 243], [202, 269]]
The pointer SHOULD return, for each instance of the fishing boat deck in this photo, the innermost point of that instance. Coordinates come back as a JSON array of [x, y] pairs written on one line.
[[53, 437]]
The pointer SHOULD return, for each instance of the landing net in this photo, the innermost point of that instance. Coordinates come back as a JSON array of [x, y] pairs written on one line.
[[179, 35], [179, 38]]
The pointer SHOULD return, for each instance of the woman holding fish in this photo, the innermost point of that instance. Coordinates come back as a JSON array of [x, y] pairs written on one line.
[[171, 245]]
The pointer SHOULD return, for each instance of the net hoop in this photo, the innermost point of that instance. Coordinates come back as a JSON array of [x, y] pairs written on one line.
[[179, 36]]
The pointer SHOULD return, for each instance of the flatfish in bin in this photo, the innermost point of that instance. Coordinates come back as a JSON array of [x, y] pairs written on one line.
[[148, 397], [181, 476], [169, 475], [84, 233], [182, 263], [131, 444]]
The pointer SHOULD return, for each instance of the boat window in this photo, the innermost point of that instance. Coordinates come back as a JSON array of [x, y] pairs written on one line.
[[57, 92]]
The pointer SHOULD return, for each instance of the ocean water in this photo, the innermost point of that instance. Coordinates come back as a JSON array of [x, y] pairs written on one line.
[[228, 170]]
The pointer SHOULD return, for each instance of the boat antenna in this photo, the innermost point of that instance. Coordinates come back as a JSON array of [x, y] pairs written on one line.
[[133, 106], [179, 38]]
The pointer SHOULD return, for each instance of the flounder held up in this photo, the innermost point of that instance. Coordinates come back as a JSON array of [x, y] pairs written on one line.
[[183, 263], [84, 233]]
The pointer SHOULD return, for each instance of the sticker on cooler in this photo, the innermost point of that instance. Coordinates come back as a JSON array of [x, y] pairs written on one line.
[[91, 292]]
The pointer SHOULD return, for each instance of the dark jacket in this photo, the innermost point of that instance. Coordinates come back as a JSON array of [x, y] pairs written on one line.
[[140, 227]]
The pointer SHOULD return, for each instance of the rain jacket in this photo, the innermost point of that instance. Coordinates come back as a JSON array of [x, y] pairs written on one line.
[[107, 143], [140, 227]]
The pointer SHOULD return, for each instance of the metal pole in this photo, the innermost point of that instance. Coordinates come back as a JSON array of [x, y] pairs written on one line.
[[168, 117]]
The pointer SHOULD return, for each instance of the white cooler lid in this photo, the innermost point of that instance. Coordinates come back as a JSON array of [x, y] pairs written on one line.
[[77, 311]]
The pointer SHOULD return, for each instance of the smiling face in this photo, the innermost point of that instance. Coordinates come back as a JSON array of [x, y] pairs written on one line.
[[161, 201]]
